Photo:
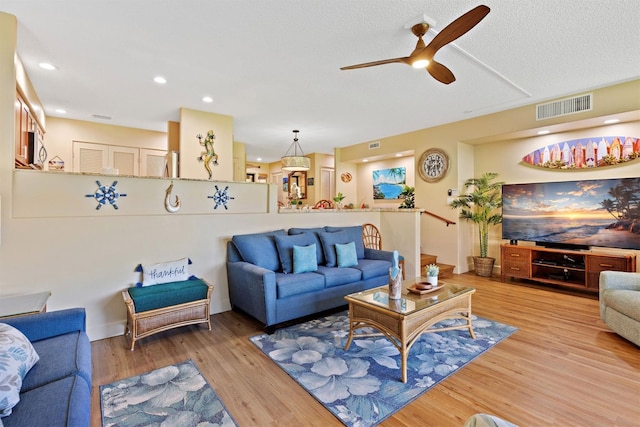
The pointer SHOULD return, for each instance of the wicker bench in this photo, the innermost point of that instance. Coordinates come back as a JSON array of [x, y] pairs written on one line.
[[157, 308]]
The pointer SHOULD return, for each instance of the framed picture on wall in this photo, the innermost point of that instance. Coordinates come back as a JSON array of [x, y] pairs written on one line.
[[285, 184], [388, 183]]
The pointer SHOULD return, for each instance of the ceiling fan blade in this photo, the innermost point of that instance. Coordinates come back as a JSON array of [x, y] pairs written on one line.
[[440, 72], [403, 60], [457, 28]]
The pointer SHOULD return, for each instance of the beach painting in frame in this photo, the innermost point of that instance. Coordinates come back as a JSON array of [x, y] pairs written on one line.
[[388, 183]]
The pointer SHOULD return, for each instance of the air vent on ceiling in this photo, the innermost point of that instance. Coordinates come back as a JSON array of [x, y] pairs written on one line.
[[374, 145], [575, 104], [101, 117]]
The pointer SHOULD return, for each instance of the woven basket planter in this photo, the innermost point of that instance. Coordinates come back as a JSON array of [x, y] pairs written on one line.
[[483, 266]]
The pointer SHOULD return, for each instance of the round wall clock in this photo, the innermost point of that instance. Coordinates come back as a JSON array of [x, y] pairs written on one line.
[[433, 165]]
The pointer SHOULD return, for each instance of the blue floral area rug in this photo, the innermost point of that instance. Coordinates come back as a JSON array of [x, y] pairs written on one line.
[[176, 395], [362, 386]]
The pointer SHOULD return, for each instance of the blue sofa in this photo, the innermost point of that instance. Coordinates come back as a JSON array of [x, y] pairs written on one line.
[[263, 284], [57, 389]]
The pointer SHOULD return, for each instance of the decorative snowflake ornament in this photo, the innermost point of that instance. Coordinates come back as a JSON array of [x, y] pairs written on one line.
[[106, 195], [221, 197]]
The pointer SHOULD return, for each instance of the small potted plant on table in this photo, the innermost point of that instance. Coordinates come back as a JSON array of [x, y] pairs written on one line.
[[432, 271]]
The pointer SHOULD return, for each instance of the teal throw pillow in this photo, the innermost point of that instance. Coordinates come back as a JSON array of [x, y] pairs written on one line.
[[346, 254], [304, 259]]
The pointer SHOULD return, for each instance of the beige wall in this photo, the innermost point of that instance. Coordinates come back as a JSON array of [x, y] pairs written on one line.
[[496, 142], [193, 123]]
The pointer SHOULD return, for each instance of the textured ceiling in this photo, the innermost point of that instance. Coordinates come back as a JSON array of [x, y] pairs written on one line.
[[273, 65]]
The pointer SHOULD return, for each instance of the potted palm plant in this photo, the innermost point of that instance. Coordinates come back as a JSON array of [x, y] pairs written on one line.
[[481, 204]]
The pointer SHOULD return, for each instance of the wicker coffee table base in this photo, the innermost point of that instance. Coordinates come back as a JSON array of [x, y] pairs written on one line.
[[403, 330]]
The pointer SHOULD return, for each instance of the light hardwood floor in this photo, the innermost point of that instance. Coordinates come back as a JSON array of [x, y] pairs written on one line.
[[563, 367]]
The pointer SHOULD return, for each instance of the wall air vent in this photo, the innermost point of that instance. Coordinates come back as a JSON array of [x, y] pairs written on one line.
[[575, 104], [374, 145]]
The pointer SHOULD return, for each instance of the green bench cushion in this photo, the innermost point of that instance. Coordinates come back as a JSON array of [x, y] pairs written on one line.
[[168, 294]]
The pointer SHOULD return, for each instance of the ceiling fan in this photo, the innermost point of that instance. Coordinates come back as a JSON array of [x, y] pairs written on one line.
[[422, 56]]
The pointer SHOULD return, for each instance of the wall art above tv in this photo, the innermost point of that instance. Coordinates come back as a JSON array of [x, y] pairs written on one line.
[[586, 153], [574, 214]]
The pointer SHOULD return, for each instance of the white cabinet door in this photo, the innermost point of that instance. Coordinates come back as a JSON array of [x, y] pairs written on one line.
[[153, 162], [125, 159], [130, 161], [90, 157]]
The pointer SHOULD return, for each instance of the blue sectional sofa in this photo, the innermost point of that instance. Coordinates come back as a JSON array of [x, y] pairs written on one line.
[[272, 278], [57, 389]]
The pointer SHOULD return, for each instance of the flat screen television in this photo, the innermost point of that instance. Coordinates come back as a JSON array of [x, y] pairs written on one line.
[[574, 214]]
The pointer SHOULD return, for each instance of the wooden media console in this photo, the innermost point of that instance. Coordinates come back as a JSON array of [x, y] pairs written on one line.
[[575, 269]]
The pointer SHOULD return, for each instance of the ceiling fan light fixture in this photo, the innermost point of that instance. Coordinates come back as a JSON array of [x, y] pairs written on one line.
[[420, 63], [294, 159]]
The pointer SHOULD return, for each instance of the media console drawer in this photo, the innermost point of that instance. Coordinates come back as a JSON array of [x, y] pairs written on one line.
[[602, 263]]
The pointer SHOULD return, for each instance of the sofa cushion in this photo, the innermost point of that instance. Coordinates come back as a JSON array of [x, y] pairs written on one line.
[[314, 233], [294, 284], [334, 276], [304, 259], [285, 244], [66, 402], [373, 268], [623, 301], [60, 357], [259, 248], [329, 241], [346, 254], [17, 357], [168, 294], [355, 235]]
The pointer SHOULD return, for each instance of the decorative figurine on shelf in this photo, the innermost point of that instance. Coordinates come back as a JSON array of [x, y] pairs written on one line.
[[432, 271], [338, 199], [395, 278], [295, 190], [209, 154]]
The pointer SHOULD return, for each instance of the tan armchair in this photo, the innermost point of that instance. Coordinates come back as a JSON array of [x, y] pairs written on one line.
[[620, 303]]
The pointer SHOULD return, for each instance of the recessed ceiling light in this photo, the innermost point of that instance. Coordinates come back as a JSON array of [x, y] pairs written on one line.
[[207, 99], [611, 121], [61, 111], [543, 132], [365, 160], [48, 66], [160, 80], [398, 154], [259, 159]]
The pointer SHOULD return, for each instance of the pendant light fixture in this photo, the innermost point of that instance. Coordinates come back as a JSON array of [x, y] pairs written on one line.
[[294, 159]]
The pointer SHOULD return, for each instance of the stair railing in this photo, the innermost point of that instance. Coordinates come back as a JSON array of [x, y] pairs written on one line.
[[445, 220]]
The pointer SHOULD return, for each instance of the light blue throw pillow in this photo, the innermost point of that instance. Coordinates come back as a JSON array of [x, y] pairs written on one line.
[[346, 254], [304, 259], [17, 357]]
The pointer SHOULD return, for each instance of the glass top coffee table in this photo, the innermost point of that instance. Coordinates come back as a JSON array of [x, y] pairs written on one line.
[[402, 321]]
